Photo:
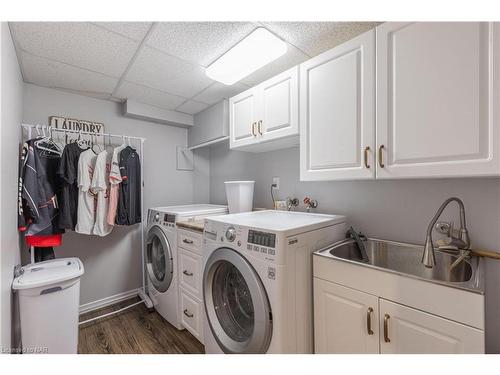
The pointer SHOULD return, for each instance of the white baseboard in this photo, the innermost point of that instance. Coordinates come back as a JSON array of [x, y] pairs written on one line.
[[107, 301]]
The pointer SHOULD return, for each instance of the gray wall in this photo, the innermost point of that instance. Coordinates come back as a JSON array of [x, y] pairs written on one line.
[[398, 210], [113, 263], [201, 175], [11, 114]]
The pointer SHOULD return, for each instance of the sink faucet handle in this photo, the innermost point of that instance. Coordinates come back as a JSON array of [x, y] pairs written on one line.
[[443, 227], [448, 229]]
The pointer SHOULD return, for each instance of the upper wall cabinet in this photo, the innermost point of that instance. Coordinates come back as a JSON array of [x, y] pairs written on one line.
[[265, 117], [210, 125], [337, 112], [438, 99]]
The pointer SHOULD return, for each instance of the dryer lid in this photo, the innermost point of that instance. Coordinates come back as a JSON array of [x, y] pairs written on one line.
[[289, 223]]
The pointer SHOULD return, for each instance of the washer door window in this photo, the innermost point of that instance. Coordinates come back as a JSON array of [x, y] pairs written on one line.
[[159, 262], [236, 304]]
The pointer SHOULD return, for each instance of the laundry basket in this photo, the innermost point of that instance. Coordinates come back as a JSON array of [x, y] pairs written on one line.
[[239, 196], [49, 298]]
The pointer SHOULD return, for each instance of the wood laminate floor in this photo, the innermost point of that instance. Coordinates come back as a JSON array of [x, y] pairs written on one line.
[[137, 330]]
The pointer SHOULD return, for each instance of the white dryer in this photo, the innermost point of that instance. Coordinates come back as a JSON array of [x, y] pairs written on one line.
[[161, 254], [257, 281]]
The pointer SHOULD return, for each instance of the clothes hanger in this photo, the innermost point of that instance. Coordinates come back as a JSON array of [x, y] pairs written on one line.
[[57, 141], [81, 143], [94, 144], [109, 145], [47, 144]]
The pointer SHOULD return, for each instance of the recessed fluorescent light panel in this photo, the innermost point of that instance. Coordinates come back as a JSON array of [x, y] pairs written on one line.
[[258, 49]]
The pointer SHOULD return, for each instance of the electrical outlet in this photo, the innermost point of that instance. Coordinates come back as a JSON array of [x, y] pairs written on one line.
[[276, 183]]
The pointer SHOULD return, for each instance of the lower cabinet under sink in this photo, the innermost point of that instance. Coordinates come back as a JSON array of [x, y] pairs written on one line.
[[363, 309]]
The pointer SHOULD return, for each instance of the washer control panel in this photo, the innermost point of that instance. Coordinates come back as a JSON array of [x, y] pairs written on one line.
[[261, 238], [162, 218], [256, 243]]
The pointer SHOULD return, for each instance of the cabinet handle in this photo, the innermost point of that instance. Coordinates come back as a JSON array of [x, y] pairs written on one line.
[[369, 321], [253, 129], [188, 314], [367, 148], [259, 127], [380, 159], [386, 328], [185, 240], [187, 273]]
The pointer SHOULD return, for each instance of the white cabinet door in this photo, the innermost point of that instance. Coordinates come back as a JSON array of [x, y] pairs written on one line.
[[409, 331], [279, 106], [242, 118], [337, 118], [438, 99], [345, 320]]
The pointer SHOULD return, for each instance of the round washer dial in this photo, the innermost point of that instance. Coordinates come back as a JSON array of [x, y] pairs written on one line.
[[231, 234]]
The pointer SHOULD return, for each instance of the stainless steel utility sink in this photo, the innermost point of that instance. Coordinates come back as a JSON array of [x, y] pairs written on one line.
[[405, 259]]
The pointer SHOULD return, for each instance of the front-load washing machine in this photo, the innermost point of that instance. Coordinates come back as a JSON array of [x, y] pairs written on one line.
[[257, 281], [161, 254]]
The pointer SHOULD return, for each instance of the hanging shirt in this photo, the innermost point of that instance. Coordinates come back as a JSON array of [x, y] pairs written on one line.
[[115, 178], [37, 199], [86, 199], [68, 175], [100, 186], [129, 199]]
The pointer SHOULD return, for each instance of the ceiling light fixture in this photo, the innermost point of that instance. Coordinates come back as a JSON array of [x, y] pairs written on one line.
[[259, 48]]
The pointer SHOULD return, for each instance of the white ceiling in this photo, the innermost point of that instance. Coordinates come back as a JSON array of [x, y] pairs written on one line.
[[161, 63]]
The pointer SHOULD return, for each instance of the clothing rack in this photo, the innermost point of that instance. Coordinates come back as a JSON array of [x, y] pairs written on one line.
[[142, 293]]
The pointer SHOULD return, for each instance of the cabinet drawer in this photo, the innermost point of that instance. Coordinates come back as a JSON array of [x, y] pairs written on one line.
[[189, 240], [191, 315], [190, 271]]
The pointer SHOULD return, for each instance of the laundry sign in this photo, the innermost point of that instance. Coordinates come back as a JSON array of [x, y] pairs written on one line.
[[76, 125]]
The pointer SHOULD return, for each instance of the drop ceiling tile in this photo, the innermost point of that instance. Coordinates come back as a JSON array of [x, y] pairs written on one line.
[[148, 95], [199, 42], [316, 37], [133, 30], [48, 73], [293, 57], [80, 44], [219, 91], [156, 69], [191, 107]]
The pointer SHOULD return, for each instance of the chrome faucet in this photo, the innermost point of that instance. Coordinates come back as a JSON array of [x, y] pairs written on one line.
[[461, 243]]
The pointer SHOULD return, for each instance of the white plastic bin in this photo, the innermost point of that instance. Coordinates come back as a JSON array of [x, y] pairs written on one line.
[[239, 196], [49, 298]]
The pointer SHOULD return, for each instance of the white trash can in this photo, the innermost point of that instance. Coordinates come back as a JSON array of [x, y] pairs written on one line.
[[239, 196], [49, 299]]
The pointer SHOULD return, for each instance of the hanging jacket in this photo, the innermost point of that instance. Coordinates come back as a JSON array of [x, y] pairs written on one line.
[[129, 198], [37, 198]]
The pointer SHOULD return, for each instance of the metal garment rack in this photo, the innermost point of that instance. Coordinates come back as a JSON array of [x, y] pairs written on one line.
[[49, 129]]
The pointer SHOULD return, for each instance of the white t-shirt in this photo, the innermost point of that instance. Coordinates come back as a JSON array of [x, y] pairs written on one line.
[[86, 199], [115, 176], [100, 186]]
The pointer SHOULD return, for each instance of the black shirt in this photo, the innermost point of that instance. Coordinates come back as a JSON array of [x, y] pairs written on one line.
[[68, 174], [129, 198]]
